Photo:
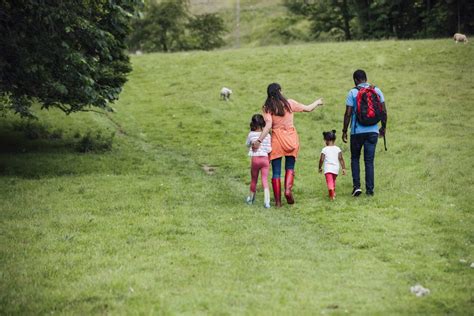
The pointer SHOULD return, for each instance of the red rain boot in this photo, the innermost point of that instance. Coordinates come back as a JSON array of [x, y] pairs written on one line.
[[332, 194], [276, 184], [289, 178]]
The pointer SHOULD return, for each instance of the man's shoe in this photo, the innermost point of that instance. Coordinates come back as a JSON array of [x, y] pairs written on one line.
[[356, 192], [370, 193]]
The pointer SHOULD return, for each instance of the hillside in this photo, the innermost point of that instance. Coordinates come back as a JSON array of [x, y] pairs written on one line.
[[258, 20], [158, 224]]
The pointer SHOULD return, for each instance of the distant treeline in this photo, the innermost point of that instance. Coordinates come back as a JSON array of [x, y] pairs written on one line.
[[377, 19], [168, 25]]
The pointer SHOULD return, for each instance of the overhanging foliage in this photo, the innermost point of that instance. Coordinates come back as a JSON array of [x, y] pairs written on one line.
[[68, 55]]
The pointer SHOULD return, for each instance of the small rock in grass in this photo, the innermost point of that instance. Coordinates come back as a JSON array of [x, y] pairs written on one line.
[[472, 265], [462, 260], [419, 290]]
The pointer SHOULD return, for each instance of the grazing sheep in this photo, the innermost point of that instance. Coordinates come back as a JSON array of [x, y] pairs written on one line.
[[458, 37], [419, 290], [225, 93]]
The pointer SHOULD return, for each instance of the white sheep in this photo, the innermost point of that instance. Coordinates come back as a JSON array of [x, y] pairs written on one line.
[[225, 93], [458, 37], [419, 290]]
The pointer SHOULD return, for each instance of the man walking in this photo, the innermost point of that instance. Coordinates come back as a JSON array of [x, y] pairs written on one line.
[[365, 107]]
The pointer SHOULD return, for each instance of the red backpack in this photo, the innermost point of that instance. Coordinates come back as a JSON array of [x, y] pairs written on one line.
[[369, 109]]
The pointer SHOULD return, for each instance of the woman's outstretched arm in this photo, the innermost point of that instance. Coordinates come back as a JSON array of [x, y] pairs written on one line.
[[312, 106]]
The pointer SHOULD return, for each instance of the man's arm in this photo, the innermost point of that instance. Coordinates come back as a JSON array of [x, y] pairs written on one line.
[[347, 120], [384, 112], [384, 120]]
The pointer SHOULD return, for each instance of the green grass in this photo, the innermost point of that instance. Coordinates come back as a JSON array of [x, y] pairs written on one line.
[[142, 229]]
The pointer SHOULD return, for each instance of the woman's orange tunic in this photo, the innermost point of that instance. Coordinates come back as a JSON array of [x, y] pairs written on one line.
[[285, 141]]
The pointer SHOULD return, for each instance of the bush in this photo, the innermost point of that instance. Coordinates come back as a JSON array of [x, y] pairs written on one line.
[[32, 129], [56, 134], [97, 143]]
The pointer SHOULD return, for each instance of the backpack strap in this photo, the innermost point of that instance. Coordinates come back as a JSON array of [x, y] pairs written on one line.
[[355, 109]]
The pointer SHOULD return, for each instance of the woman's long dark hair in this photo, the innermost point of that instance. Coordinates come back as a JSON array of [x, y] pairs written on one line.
[[276, 103]]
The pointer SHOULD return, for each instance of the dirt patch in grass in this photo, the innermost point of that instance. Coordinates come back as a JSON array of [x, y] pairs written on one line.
[[209, 169]]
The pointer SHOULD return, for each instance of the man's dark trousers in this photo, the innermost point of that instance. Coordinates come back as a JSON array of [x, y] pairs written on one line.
[[369, 142]]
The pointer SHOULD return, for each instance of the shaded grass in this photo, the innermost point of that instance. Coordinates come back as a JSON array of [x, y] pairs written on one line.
[[142, 229]]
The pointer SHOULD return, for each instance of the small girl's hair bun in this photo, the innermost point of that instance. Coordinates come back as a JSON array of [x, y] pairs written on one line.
[[330, 135]]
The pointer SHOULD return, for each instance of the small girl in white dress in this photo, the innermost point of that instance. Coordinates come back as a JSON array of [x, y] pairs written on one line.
[[331, 158]]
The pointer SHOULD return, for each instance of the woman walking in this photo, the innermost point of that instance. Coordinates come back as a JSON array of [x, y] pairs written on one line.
[[278, 114]]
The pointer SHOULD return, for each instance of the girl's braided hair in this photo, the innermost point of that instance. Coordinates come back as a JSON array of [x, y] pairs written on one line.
[[257, 122]]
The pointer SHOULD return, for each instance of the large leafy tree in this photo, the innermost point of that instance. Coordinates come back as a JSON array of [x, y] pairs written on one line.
[[68, 55], [328, 15]]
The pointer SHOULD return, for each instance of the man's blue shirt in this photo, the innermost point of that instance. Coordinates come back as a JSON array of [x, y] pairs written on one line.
[[356, 128]]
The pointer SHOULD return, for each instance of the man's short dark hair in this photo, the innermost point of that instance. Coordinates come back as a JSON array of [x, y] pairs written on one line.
[[359, 76]]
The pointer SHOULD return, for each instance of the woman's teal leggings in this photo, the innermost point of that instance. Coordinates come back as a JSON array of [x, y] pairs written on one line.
[[276, 166]]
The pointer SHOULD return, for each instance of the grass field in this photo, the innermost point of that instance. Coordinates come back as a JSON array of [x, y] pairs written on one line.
[[143, 229]]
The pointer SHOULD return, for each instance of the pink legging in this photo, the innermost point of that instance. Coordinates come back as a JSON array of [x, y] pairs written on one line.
[[331, 180], [259, 163]]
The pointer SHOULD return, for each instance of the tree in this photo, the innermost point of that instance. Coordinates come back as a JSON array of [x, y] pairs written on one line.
[[162, 27], [368, 19], [206, 31], [325, 15], [446, 17], [68, 55]]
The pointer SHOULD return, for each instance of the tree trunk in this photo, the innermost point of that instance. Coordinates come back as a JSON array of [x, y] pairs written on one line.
[[164, 45], [346, 17], [459, 16]]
